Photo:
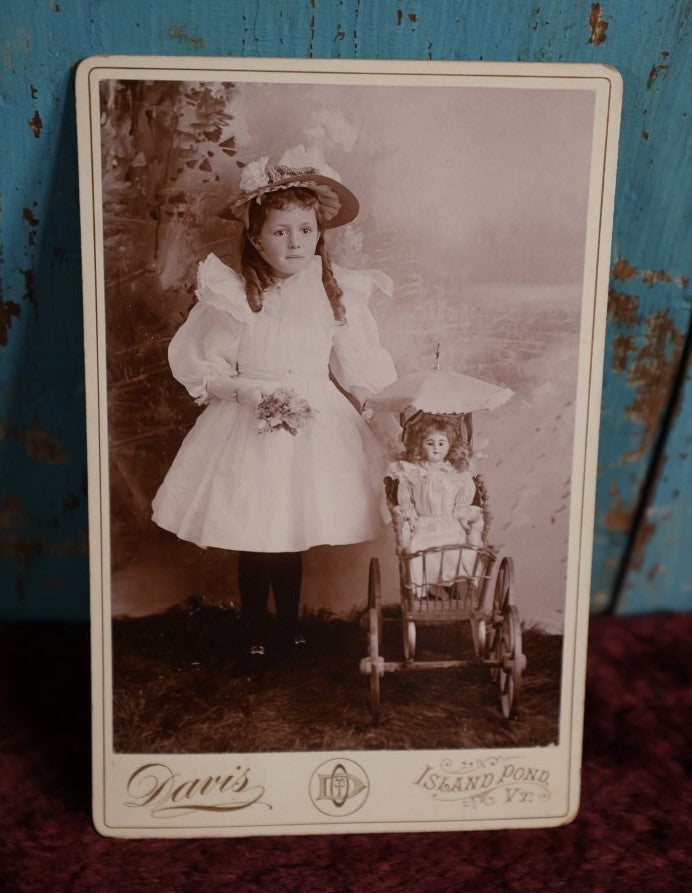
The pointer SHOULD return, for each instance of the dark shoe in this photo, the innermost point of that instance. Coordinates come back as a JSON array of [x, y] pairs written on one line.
[[252, 663], [291, 645]]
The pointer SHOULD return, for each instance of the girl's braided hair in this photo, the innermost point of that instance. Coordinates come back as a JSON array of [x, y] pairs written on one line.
[[257, 273]]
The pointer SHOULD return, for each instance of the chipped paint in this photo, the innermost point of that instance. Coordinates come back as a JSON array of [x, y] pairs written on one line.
[[12, 515], [29, 217], [22, 549], [36, 124], [644, 533], [32, 221], [38, 444], [653, 74], [8, 310], [651, 276], [411, 16], [651, 373], [178, 33], [653, 570], [623, 346], [29, 290], [623, 270], [622, 307], [598, 25], [618, 517]]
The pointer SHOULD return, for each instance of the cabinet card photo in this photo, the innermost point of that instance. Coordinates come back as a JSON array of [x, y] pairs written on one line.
[[344, 334]]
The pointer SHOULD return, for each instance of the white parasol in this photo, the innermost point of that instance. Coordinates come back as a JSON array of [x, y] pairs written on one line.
[[440, 391]]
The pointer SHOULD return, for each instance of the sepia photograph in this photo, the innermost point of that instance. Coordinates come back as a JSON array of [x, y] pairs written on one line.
[[345, 329]]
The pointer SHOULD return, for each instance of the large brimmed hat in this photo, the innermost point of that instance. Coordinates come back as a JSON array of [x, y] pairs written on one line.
[[296, 167]]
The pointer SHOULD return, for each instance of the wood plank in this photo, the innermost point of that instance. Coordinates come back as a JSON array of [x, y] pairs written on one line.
[[43, 565]]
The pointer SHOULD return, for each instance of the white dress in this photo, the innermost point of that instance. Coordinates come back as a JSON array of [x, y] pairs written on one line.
[[434, 499], [232, 487]]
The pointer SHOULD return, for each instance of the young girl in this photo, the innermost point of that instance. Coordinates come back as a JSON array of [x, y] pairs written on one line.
[[280, 460], [435, 495]]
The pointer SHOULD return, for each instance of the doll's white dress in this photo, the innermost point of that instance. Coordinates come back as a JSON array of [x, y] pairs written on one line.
[[433, 499], [232, 487]]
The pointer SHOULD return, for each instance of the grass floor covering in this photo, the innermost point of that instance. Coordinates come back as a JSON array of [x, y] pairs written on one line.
[[174, 690]]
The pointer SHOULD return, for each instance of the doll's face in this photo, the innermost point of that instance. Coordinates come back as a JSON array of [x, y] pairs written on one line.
[[435, 446], [288, 238]]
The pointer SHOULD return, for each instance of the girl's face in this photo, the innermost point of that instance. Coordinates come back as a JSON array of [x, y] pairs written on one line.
[[435, 446], [288, 238]]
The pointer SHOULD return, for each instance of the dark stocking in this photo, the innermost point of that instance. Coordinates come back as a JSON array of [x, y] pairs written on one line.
[[286, 574], [253, 584], [256, 571]]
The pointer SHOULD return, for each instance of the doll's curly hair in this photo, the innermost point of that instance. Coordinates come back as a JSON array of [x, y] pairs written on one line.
[[257, 273], [422, 424]]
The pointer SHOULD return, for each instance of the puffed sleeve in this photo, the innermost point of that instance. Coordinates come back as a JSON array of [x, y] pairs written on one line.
[[206, 345], [358, 361]]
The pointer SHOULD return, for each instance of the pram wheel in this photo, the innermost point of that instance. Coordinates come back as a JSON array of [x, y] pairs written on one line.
[[511, 662], [408, 628], [479, 633], [503, 597]]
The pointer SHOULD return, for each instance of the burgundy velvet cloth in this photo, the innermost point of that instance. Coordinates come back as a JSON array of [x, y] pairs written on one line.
[[633, 833]]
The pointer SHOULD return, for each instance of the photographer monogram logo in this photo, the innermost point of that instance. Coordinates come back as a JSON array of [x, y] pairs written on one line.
[[339, 787]]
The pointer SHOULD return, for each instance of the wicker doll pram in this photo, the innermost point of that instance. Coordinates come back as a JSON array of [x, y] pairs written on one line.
[[434, 595]]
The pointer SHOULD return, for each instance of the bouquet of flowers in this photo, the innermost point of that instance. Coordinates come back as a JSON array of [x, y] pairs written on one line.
[[283, 408]]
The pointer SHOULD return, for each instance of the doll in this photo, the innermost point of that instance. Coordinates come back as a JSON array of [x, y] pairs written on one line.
[[436, 491]]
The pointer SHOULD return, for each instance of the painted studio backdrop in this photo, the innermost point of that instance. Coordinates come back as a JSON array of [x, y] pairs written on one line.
[[473, 201]]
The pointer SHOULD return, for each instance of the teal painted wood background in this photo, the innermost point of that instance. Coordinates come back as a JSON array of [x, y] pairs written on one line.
[[642, 540]]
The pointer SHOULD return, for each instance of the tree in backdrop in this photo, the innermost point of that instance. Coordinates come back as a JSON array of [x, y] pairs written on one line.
[[168, 152]]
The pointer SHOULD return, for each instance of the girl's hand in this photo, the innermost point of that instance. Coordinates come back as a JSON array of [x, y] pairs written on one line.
[[228, 387], [248, 395], [223, 387]]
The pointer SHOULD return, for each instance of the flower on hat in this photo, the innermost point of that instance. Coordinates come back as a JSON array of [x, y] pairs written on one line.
[[301, 159], [254, 175]]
